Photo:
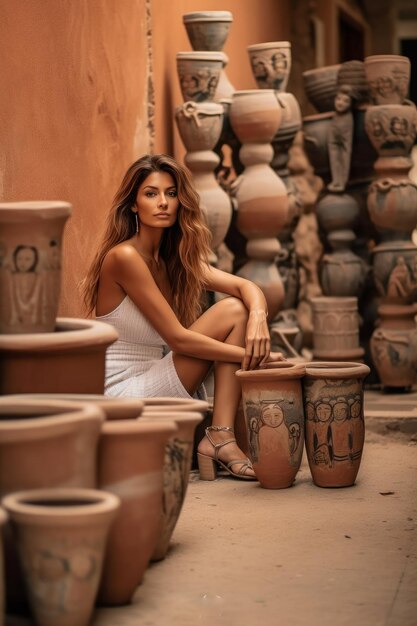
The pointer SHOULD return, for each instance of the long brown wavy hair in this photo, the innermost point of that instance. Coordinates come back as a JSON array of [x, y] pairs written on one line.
[[184, 246]]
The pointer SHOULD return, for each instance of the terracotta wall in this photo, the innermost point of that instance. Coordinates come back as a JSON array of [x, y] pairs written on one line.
[[73, 111], [254, 22]]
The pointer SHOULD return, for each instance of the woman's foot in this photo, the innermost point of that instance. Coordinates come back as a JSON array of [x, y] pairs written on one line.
[[227, 452]]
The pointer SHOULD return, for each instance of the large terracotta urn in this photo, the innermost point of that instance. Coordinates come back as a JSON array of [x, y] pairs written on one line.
[[335, 428], [61, 537], [30, 264], [255, 116], [336, 329], [388, 77], [394, 346], [130, 465], [71, 359], [273, 408], [271, 64]]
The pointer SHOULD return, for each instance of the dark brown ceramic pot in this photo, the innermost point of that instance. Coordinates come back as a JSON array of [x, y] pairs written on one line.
[[395, 271], [394, 346], [335, 428], [342, 262], [272, 403], [392, 205]]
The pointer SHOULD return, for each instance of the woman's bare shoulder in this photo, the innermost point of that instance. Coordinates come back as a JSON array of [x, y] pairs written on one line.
[[121, 255]]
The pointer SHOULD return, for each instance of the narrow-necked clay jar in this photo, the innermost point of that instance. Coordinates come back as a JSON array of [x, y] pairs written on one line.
[[131, 460], [3, 518], [30, 276], [177, 465], [273, 407], [335, 428], [61, 537]]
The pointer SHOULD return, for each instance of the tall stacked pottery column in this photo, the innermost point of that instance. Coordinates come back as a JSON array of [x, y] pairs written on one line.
[[255, 116], [391, 125]]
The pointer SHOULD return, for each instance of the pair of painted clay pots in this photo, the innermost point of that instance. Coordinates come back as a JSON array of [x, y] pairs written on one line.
[[321, 402]]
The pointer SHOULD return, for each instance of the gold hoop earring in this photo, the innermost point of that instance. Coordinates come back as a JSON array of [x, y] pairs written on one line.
[[137, 221]]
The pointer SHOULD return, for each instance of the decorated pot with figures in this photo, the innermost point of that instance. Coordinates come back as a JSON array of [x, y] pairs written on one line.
[[334, 427], [395, 271], [388, 77], [273, 408], [199, 74], [271, 64]]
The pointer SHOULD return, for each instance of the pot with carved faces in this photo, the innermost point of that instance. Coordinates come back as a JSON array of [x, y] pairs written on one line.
[[392, 128], [388, 77], [199, 74], [271, 64]]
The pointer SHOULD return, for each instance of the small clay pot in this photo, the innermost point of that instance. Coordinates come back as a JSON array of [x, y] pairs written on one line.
[[3, 519], [395, 271], [342, 262], [394, 346], [69, 360], [207, 30], [388, 77], [271, 64], [130, 465], [392, 204], [30, 262], [335, 427], [272, 403], [392, 128], [199, 74], [337, 212], [320, 85], [61, 536], [336, 329]]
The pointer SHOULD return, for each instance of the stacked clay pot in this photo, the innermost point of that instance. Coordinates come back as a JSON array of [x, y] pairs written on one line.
[[200, 119], [273, 408], [335, 427], [391, 125], [336, 329], [262, 198]]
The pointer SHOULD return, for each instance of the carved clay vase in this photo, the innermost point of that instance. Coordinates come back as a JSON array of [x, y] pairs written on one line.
[[343, 273], [200, 125], [44, 443], [336, 329], [262, 198], [392, 130], [273, 407], [208, 30], [388, 77], [394, 346], [30, 264], [3, 518], [61, 537], [271, 64], [177, 465], [335, 427], [69, 360], [320, 85], [131, 458], [395, 271], [199, 74]]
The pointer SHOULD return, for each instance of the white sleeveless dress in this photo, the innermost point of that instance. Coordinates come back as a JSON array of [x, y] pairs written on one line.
[[138, 364]]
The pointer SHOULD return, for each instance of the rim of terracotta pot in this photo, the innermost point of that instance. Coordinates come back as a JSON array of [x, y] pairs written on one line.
[[274, 371], [207, 16], [165, 403], [142, 426], [114, 408], [87, 502], [202, 55], [393, 246], [342, 301], [3, 517], [386, 57], [193, 417], [269, 44], [25, 422], [336, 369], [253, 92], [38, 209], [320, 70], [394, 106], [70, 332]]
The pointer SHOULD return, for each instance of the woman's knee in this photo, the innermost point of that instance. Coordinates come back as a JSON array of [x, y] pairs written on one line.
[[235, 309]]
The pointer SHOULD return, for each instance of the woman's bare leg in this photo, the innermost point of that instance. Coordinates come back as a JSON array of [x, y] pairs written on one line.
[[225, 321]]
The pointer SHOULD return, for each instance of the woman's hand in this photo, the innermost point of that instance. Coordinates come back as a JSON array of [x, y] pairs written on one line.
[[274, 357], [257, 341]]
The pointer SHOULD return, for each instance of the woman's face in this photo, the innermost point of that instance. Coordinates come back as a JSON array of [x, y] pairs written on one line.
[[157, 201]]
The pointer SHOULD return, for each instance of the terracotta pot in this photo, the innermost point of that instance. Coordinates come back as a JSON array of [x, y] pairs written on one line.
[[335, 428], [113, 408], [176, 405], [30, 265], [273, 407], [177, 465], [61, 536], [199, 74], [353, 73], [271, 64], [336, 329], [388, 77], [44, 443], [394, 346], [392, 204], [395, 271], [337, 212], [320, 85], [69, 360], [131, 457], [3, 518], [342, 262], [392, 128], [200, 125], [316, 133]]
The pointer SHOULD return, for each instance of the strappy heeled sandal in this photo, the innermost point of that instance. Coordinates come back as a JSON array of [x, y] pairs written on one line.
[[207, 465]]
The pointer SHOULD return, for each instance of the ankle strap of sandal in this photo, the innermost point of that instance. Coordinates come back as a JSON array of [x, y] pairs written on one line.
[[220, 444], [225, 428]]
